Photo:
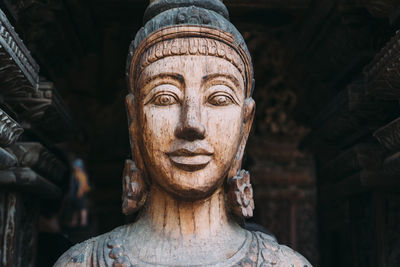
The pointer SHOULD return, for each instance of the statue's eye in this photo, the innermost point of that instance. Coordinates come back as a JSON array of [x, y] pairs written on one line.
[[165, 100], [220, 100]]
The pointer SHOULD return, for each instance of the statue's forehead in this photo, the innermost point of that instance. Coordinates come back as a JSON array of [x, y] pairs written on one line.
[[194, 65]]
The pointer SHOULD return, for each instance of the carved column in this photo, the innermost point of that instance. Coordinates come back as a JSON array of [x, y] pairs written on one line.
[[29, 171]]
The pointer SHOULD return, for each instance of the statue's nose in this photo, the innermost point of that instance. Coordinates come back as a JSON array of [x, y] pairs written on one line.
[[190, 127]]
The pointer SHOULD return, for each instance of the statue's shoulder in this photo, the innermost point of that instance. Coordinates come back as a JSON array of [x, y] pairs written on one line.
[[273, 254], [79, 255], [92, 252]]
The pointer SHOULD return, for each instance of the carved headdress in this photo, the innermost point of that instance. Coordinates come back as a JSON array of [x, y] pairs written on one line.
[[188, 27]]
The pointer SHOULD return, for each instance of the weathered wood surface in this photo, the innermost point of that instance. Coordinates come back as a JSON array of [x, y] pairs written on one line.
[[10, 231], [19, 72], [40, 159], [24, 179], [7, 159], [10, 130], [389, 135], [28, 230], [382, 77], [18, 218], [46, 112], [26, 98], [3, 208]]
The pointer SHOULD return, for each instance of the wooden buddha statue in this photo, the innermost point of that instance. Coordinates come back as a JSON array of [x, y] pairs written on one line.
[[190, 112]]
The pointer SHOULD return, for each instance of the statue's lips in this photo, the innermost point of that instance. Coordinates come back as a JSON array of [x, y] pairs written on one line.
[[190, 160]]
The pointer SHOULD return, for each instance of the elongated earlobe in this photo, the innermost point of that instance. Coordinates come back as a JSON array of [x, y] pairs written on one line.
[[240, 191], [134, 189]]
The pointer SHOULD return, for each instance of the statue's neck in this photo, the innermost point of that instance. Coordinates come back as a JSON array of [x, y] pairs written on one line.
[[200, 219], [174, 232]]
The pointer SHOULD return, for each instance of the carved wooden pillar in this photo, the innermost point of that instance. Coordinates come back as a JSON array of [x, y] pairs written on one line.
[[29, 171]]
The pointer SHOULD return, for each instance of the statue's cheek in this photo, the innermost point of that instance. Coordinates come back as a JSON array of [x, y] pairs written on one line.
[[159, 124], [224, 129]]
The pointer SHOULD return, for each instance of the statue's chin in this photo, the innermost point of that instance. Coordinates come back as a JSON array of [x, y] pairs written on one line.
[[191, 192], [188, 178]]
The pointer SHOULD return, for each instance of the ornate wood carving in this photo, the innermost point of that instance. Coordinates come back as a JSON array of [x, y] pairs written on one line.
[[41, 160], [21, 187], [27, 227], [37, 104], [18, 217], [10, 130], [44, 112], [19, 72], [241, 195], [10, 232], [382, 76], [24, 179], [391, 165], [389, 135], [7, 159]]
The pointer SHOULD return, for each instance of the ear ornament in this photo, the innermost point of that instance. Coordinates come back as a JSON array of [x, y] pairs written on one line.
[[240, 195], [134, 191]]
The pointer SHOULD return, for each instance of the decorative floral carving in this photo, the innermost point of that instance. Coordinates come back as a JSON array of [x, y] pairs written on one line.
[[117, 253], [133, 189], [241, 194], [251, 256], [193, 16], [269, 250]]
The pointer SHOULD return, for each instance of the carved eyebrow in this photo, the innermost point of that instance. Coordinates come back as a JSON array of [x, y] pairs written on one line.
[[174, 76], [216, 75]]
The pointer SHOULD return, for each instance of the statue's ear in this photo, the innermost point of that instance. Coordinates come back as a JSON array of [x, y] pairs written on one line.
[[248, 116], [134, 188], [129, 100], [133, 132]]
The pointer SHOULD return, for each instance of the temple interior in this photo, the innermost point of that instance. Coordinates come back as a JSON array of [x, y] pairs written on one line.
[[323, 153]]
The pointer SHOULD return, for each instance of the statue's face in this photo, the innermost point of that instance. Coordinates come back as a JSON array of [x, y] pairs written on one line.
[[190, 122]]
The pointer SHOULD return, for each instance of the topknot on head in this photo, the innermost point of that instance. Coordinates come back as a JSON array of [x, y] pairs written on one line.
[[158, 6]]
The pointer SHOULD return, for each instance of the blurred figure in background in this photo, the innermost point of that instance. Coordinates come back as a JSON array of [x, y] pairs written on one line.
[[78, 195]]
